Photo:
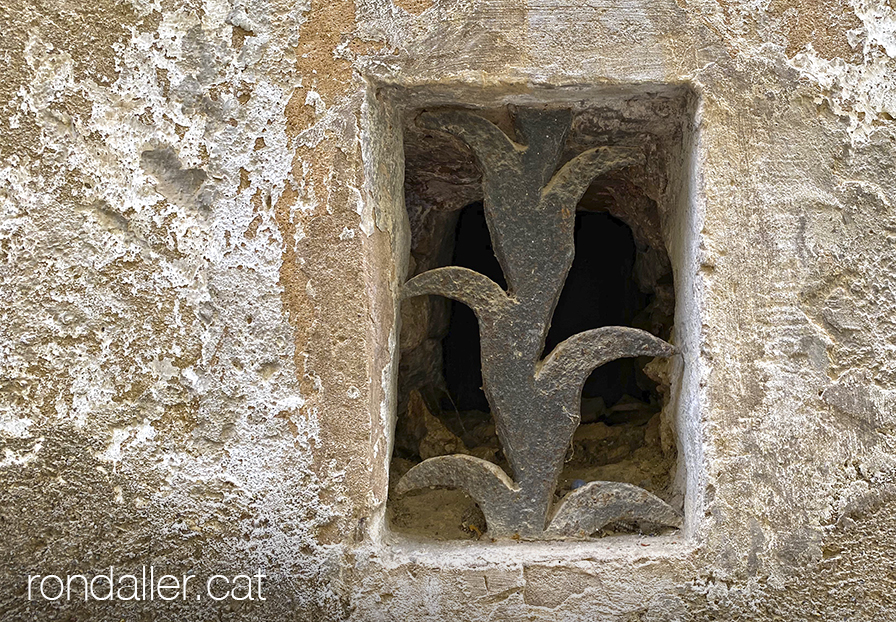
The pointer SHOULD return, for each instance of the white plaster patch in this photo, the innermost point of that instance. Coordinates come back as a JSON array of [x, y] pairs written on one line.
[[313, 98], [14, 427], [117, 448], [861, 93], [20, 459], [113, 451]]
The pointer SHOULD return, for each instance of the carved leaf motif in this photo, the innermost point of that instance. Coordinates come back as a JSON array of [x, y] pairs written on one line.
[[485, 482], [570, 182], [573, 360], [477, 291], [597, 504]]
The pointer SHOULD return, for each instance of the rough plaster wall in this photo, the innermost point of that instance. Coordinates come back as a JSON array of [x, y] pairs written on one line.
[[158, 401], [189, 244]]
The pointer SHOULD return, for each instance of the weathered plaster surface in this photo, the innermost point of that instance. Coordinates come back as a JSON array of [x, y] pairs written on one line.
[[196, 332]]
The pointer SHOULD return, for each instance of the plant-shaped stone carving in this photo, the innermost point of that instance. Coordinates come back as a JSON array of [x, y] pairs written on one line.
[[530, 212]]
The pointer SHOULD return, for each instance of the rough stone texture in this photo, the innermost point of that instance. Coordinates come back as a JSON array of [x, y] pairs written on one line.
[[201, 252]]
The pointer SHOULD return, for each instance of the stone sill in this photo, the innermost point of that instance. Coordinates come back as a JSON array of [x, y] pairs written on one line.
[[468, 554]]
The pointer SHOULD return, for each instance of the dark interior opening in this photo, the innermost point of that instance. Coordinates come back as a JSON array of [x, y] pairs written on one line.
[[600, 290], [460, 347]]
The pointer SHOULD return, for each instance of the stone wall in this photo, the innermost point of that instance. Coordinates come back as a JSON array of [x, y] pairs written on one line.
[[203, 234]]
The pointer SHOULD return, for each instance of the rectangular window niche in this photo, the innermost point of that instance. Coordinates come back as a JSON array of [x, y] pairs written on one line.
[[543, 384]]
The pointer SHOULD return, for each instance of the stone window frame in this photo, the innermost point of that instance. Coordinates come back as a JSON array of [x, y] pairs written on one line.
[[382, 112]]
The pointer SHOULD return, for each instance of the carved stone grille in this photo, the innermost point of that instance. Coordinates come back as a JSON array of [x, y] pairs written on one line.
[[530, 212]]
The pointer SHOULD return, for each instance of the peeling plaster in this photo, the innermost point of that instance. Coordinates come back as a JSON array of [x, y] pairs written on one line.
[[865, 94]]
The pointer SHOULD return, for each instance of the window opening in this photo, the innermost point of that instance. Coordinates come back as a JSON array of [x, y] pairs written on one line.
[[621, 455]]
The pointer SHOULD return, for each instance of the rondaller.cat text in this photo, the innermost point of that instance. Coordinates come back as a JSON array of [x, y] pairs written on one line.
[[147, 585]]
